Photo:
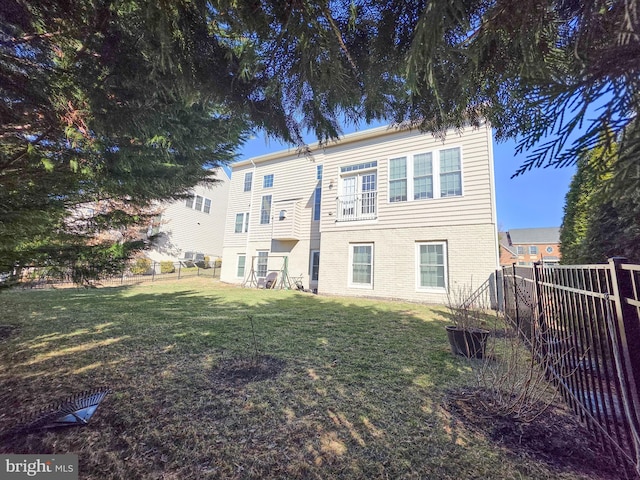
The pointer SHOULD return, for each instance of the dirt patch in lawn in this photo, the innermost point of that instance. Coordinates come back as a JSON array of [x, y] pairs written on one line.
[[235, 373], [556, 437], [7, 331]]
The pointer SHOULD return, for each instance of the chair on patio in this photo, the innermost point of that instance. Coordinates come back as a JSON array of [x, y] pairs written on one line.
[[270, 280]]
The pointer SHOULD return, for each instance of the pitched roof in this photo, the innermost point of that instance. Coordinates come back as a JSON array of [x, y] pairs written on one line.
[[503, 238], [534, 236]]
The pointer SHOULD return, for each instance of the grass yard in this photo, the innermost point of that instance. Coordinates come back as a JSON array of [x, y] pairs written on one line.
[[338, 387]]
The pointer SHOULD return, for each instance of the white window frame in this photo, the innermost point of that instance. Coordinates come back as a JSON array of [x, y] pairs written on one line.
[[244, 223], [244, 266], [317, 203], [262, 210], [259, 255], [352, 284], [267, 181], [435, 175], [313, 253], [248, 181], [419, 286], [532, 248], [318, 172]]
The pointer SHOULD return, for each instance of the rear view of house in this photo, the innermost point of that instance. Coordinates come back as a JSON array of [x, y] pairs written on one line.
[[385, 212]]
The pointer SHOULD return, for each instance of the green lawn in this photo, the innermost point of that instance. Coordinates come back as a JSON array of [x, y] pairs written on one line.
[[356, 390]]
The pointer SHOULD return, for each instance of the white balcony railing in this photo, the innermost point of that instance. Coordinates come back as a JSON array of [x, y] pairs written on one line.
[[361, 206]]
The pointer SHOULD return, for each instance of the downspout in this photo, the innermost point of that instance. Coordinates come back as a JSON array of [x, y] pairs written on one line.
[[494, 213], [253, 182]]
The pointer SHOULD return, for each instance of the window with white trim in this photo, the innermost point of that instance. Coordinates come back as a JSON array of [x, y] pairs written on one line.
[[425, 175], [431, 265], [318, 172], [317, 202], [520, 250], [315, 265], [262, 264], [248, 180], [242, 259], [361, 265], [199, 203], [242, 223], [265, 210], [267, 181], [450, 173], [398, 179], [533, 250]]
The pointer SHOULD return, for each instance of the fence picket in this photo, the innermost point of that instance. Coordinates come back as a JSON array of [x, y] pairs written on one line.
[[589, 316]]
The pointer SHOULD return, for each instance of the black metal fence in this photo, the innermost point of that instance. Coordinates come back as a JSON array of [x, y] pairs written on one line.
[[147, 271], [587, 317]]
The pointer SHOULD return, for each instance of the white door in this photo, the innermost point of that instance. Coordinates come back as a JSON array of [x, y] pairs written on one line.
[[349, 190]]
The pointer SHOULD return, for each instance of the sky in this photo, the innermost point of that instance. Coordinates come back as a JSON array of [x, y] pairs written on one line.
[[535, 199]]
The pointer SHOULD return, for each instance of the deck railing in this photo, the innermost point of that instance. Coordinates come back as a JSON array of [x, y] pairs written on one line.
[[361, 206]]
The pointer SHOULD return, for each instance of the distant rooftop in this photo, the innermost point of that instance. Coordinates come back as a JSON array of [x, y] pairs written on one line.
[[532, 236]]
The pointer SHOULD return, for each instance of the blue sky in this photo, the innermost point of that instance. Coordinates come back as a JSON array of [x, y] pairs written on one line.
[[535, 199]]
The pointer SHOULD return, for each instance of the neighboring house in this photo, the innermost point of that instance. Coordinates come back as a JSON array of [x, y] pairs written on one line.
[[382, 213], [525, 246], [193, 228]]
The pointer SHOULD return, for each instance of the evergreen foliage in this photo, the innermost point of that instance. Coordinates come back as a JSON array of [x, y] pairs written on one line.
[[602, 212], [131, 99]]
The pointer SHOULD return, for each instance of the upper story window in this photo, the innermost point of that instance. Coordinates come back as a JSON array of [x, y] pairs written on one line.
[[317, 202], [267, 181], [549, 249], [358, 192], [242, 223], [265, 210], [533, 250], [248, 179], [520, 250], [425, 175], [197, 202], [318, 172], [398, 179]]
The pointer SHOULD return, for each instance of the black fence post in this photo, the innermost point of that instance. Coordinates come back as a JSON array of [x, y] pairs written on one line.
[[627, 338], [515, 297]]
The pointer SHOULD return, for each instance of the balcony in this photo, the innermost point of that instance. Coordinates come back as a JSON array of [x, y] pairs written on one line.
[[286, 220], [361, 206]]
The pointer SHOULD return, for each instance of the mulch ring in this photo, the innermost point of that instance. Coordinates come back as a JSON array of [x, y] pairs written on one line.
[[556, 437], [7, 330], [237, 372]]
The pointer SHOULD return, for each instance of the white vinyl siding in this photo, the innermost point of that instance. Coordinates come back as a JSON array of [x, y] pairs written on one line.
[[431, 265], [361, 265]]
